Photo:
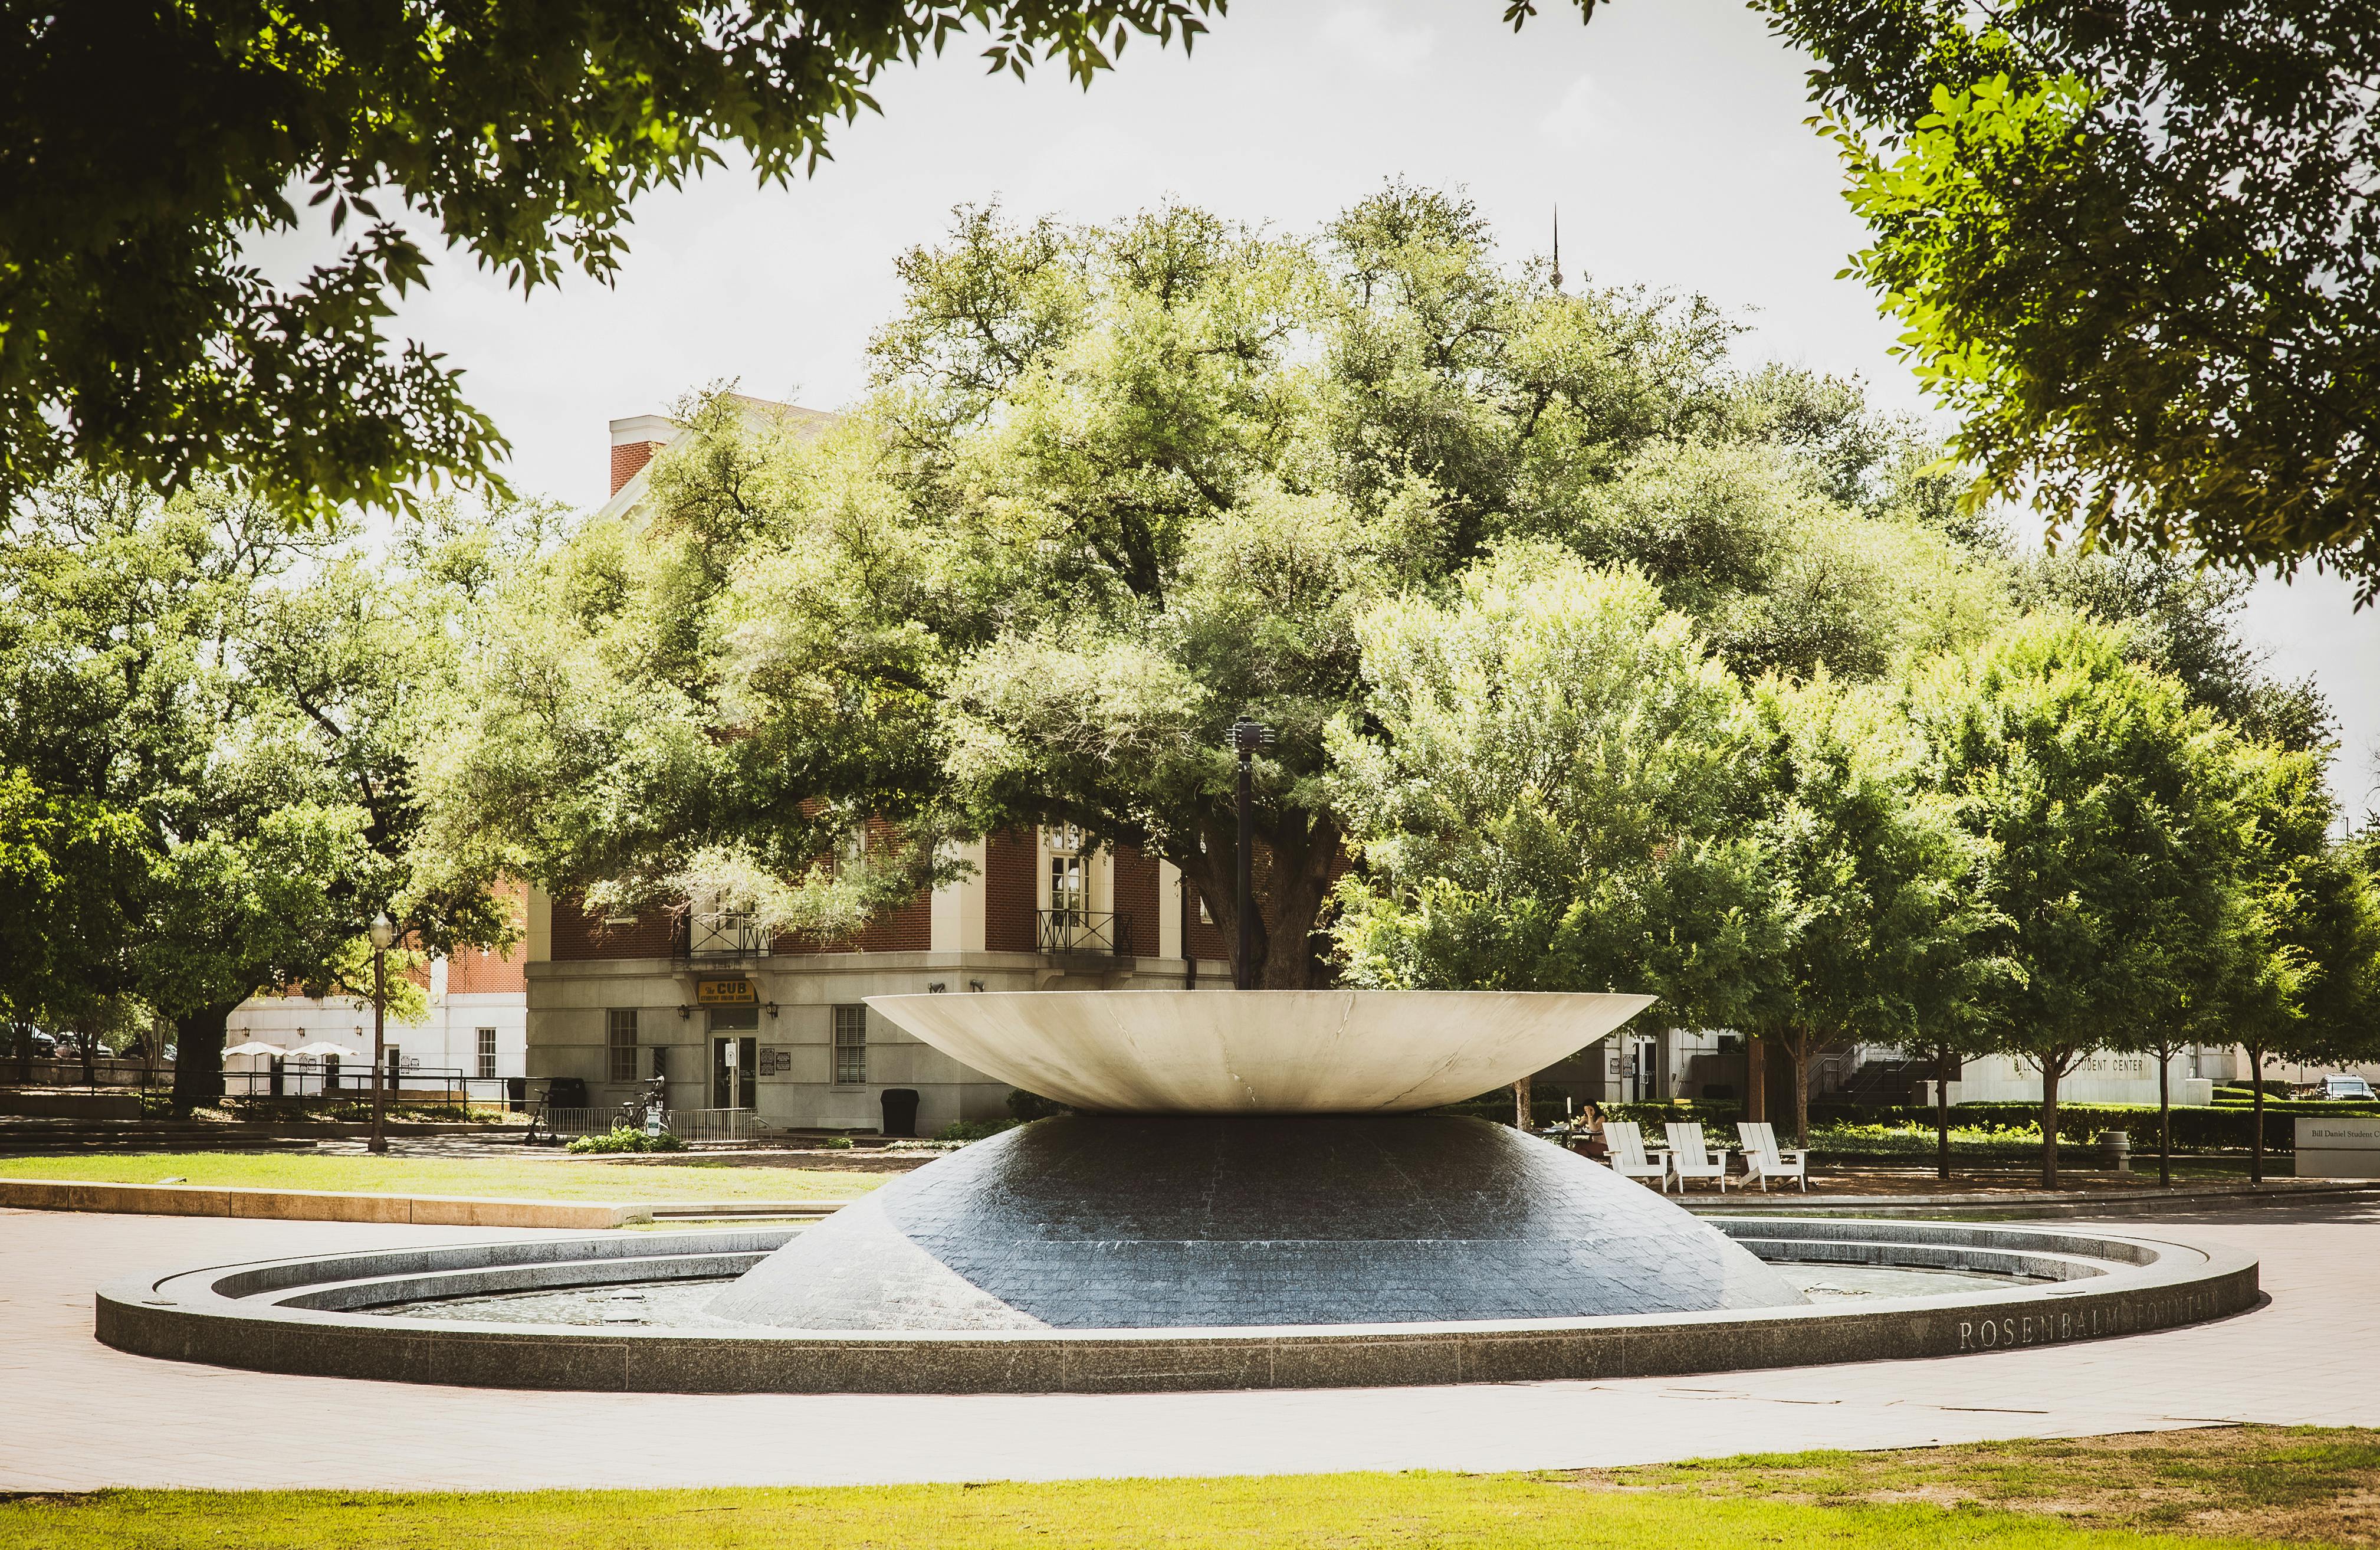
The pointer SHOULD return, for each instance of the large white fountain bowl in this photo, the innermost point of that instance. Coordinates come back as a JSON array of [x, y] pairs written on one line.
[[1258, 1052]]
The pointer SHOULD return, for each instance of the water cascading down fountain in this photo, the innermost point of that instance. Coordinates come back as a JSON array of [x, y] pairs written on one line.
[[1253, 1159]]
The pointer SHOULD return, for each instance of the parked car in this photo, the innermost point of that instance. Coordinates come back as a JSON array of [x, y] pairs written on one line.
[[2341, 1090]]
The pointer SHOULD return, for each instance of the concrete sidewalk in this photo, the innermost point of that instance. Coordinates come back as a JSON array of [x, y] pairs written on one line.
[[81, 1415]]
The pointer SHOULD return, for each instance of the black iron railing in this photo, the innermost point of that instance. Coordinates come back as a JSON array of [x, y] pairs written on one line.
[[720, 935], [1078, 932]]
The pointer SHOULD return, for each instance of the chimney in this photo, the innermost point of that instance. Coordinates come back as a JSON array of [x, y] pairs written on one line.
[[634, 442]]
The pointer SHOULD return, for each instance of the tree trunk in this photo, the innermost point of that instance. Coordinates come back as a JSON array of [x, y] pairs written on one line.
[[1799, 1049], [1942, 1114], [1755, 1079], [2052, 1069], [1521, 1096], [198, 1058], [1289, 895], [2257, 1076], [2164, 1117], [85, 1037]]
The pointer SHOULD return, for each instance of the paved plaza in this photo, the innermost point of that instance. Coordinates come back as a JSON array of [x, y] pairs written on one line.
[[79, 1415]]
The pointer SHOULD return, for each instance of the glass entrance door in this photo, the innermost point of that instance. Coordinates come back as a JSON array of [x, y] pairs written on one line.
[[734, 1087]]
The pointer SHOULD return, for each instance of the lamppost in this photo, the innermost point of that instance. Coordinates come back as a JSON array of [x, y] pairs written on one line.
[[383, 933], [1247, 735]]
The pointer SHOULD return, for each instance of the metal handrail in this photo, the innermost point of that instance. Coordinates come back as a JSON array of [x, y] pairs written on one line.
[[1097, 932], [721, 933]]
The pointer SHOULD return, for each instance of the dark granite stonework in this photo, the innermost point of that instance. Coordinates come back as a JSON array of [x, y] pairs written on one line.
[[304, 1315], [1157, 1222]]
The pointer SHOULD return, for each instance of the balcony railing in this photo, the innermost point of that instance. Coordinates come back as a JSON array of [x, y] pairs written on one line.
[[1081, 932], [721, 935]]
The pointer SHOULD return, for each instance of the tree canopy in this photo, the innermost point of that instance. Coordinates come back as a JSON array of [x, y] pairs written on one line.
[[1115, 485], [2108, 810], [2135, 248], [206, 727], [142, 338]]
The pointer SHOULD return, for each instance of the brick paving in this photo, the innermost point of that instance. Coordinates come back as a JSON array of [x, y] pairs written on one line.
[[78, 1415]]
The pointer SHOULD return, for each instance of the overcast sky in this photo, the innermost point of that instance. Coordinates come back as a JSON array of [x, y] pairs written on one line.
[[1671, 133]]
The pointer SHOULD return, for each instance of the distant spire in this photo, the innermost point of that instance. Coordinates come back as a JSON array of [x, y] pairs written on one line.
[[1558, 283]]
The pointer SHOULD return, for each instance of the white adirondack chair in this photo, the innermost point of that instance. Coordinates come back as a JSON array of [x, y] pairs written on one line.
[[1764, 1160], [1627, 1145], [1689, 1158]]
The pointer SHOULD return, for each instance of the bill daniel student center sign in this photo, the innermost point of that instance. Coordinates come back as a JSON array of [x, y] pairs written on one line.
[[2333, 1148]]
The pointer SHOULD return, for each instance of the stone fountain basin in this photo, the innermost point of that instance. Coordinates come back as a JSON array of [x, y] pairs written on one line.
[[1258, 1052]]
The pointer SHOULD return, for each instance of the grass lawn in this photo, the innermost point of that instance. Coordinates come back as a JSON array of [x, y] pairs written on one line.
[[530, 1178], [2235, 1486]]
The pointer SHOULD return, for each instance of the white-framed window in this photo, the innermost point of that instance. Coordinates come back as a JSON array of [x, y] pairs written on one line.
[[487, 1043], [620, 1035], [850, 1046], [1070, 884], [1070, 891]]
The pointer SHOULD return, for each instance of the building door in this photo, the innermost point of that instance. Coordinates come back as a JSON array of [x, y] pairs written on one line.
[[734, 1087], [1070, 892]]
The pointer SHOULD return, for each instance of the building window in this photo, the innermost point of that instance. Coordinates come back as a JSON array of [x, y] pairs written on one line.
[[1069, 896], [850, 1046], [621, 1034], [487, 1053], [1070, 888]]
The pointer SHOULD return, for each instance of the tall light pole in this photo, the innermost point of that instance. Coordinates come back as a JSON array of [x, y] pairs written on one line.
[[1247, 735], [383, 933]]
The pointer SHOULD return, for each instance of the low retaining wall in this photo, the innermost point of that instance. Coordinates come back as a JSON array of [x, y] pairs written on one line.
[[245, 1316], [312, 1205]]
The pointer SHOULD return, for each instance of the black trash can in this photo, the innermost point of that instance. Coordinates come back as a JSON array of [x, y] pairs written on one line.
[[900, 1111], [516, 1091], [567, 1092]]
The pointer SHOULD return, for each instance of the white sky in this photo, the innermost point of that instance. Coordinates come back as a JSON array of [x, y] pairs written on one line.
[[1671, 133]]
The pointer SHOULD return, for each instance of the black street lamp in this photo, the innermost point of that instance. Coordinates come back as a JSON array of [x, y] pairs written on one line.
[[1248, 735], [383, 933]]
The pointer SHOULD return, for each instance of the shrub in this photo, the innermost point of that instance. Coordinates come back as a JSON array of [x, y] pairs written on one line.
[[973, 1129], [351, 1110], [623, 1138], [1029, 1107], [2194, 1128], [836, 1144]]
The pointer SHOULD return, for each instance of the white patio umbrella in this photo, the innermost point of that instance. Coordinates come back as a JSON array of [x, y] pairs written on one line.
[[316, 1051], [254, 1046]]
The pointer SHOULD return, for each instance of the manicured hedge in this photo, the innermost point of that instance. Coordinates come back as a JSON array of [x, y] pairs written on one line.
[[2193, 1129]]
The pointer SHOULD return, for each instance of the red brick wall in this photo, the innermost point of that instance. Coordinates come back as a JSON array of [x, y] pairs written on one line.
[[1009, 897], [579, 935], [1136, 894], [473, 972], [628, 460], [909, 928], [1206, 940], [476, 972]]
